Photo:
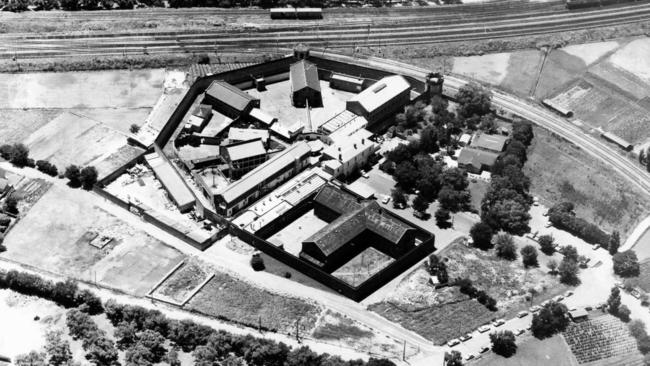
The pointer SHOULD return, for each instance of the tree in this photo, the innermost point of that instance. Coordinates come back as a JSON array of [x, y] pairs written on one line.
[[64, 293], [429, 140], [88, 302], [626, 264], [517, 149], [11, 205], [550, 320], [406, 175], [570, 252], [614, 242], [19, 155], [57, 349], [552, 265], [172, 358], [398, 197], [125, 335], [442, 218], [508, 215], [32, 358], [47, 168], [522, 131], [488, 124], [503, 343], [134, 128], [529, 256], [614, 301], [420, 204], [481, 234], [568, 270], [441, 274], [624, 313], [473, 99], [257, 263], [505, 246], [303, 356], [453, 200], [547, 244], [439, 104], [379, 362], [637, 328], [73, 174], [88, 177], [453, 359], [154, 343], [102, 352]]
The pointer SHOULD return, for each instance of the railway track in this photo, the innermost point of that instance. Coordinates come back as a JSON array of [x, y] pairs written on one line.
[[409, 33]]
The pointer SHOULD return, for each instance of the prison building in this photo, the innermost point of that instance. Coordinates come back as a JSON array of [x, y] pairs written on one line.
[[476, 161], [246, 134], [173, 183], [381, 100], [243, 156], [276, 170], [346, 83], [257, 115], [305, 86], [344, 123], [353, 227], [483, 141], [199, 118], [347, 154], [229, 99]]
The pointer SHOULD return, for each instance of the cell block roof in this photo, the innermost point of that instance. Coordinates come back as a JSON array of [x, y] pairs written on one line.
[[304, 74], [381, 92], [229, 94]]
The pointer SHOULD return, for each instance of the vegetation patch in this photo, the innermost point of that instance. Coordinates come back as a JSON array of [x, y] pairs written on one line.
[[231, 299], [182, 282]]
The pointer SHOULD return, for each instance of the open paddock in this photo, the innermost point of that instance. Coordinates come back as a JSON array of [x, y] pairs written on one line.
[[17, 124], [74, 139], [54, 236], [235, 300]]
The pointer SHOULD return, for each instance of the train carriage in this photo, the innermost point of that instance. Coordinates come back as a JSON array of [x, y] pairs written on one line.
[[296, 13]]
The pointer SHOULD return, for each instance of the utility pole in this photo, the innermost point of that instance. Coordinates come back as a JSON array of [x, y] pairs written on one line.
[[404, 351]]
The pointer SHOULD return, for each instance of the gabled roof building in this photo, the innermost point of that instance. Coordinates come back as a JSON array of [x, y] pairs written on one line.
[[382, 99], [305, 85], [229, 99]]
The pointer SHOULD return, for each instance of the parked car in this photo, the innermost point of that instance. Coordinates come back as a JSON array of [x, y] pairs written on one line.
[[420, 215], [568, 293], [545, 303], [385, 200], [548, 224], [465, 338], [498, 322], [520, 332], [589, 308], [619, 285], [365, 175], [636, 294], [453, 342], [484, 349], [483, 328], [522, 314], [602, 305], [469, 356], [558, 298], [535, 309], [596, 247]]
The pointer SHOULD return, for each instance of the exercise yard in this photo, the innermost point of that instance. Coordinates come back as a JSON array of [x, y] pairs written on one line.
[[276, 102], [55, 236], [74, 139], [363, 266], [292, 236]]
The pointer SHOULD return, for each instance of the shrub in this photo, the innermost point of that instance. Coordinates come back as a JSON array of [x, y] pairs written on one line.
[[546, 244], [505, 246], [47, 168], [481, 234], [88, 177], [550, 320], [626, 264], [11, 204], [73, 174], [568, 270], [624, 313], [257, 262], [134, 128], [503, 343], [529, 256]]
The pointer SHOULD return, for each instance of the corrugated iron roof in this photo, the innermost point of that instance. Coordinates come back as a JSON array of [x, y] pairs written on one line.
[[304, 74], [381, 92], [229, 94]]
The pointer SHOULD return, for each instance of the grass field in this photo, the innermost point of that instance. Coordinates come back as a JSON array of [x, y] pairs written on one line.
[[491, 68], [17, 124], [591, 52], [54, 236], [559, 69], [534, 352], [559, 171], [523, 69], [225, 296]]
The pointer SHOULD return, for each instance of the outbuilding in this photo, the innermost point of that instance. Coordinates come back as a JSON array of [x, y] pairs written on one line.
[[305, 85], [229, 99]]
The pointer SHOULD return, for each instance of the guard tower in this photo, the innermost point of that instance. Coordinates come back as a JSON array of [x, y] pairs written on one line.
[[434, 84], [300, 52]]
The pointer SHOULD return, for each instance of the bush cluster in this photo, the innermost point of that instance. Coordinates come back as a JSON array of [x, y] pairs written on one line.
[[100, 350], [551, 319], [84, 178], [563, 217], [638, 331], [465, 285], [47, 168], [16, 154], [66, 294]]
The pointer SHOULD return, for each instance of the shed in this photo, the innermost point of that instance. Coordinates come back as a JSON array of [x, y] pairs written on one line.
[[578, 315], [229, 99], [305, 85]]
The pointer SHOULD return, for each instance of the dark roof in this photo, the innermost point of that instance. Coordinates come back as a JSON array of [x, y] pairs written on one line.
[[229, 94], [355, 218], [477, 158], [304, 74]]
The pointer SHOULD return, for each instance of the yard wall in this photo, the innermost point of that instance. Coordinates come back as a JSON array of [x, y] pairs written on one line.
[[119, 171]]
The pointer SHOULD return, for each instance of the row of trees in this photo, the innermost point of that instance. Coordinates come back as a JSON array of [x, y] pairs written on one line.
[[81, 177], [563, 217], [66, 293], [615, 307], [638, 331], [465, 286]]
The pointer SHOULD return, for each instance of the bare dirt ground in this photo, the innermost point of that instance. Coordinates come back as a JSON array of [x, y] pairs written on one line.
[[591, 52], [276, 102], [182, 282], [491, 68], [30, 121], [633, 58], [55, 236]]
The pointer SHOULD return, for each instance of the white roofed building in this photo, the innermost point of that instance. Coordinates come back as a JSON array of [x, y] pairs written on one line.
[[348, 154], [381, 99]]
